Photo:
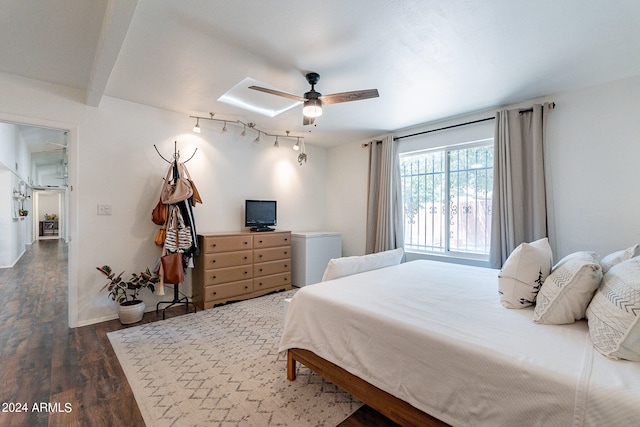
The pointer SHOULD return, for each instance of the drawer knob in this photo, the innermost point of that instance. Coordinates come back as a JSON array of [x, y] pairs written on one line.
[[246, 243], [215, 293], [285, 266], [260, 256], [246, 272], [246, 287], [285, 252], [285, 239], [246, 257], [260, 269], [260, 241], [214, 245], [214, 277]]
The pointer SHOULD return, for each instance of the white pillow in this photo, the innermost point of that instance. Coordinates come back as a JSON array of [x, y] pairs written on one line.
[[618, 257], [523, 273], [567, 291], [346, 266], [615, 310]]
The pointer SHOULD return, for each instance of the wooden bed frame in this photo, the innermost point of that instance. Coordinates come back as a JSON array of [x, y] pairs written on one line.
[[390, 406]]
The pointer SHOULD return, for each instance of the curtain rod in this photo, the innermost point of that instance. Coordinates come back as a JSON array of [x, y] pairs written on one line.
[[550, 105], [444, 128]]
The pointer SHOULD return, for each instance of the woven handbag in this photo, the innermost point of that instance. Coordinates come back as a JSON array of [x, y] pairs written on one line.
[[178, 237]]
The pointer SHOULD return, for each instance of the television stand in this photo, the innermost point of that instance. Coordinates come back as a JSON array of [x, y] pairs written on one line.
[[261, 229]]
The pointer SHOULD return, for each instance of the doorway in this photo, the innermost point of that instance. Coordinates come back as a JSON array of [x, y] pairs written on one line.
[[49, 219], [34, 153]]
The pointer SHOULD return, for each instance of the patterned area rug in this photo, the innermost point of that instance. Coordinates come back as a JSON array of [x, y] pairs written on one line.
[[221, 367]]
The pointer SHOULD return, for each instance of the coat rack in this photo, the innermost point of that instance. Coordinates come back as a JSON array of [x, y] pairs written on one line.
[[176, 153], [176, 287]]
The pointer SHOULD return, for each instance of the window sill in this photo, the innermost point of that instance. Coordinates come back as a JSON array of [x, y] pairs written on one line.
[[474, 260]]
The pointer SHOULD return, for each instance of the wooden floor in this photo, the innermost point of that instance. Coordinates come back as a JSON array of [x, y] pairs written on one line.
[[55, 376]]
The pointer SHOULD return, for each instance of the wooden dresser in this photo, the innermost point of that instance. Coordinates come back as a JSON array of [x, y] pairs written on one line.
[[237, 266]]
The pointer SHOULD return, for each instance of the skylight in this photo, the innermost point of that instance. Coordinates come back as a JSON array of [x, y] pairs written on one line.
[[262, 103]]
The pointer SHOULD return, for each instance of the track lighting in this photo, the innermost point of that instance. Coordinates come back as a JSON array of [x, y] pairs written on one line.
[[251, 125]]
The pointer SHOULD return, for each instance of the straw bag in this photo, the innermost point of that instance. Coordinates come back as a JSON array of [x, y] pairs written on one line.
[[178, 236]]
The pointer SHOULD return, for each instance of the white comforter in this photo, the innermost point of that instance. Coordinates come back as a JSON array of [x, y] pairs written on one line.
[[435, 335]]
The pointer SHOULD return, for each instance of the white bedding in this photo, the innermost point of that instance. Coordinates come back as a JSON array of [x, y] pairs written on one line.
[[435, 335]]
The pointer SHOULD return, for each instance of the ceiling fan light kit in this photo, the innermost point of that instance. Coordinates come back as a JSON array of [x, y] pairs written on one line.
[[312, 108]]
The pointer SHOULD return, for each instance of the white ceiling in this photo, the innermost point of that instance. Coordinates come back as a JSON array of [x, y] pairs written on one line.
[[429, 60]]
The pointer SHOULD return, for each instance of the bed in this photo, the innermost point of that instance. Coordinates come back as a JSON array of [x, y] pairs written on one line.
[[428, 343]]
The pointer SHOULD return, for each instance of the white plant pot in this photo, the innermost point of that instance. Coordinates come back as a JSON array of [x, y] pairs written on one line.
[[131, 313]]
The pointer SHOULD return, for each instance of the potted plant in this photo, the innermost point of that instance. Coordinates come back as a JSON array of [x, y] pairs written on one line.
[[126, 292], [23, 212]]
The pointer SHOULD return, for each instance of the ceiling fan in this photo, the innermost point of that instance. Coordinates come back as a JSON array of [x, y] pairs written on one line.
[[313, 101]]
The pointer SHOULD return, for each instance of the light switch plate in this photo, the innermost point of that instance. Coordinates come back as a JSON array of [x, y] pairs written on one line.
[[104, 209]]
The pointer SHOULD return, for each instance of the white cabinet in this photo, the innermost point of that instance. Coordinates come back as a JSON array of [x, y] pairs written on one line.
[[311, 252]]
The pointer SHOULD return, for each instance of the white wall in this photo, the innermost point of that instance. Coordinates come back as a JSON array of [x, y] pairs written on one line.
[[112, 161], [14, 161], [593, 147]]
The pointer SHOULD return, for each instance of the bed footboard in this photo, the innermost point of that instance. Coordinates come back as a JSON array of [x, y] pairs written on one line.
[[390, 406]]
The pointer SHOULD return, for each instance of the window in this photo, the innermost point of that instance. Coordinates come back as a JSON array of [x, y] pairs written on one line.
[[447, 199]]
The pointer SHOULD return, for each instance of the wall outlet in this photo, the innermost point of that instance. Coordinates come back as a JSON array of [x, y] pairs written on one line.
[[104, 209]]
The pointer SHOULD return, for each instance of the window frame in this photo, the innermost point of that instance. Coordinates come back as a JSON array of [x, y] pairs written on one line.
[[455, 256]]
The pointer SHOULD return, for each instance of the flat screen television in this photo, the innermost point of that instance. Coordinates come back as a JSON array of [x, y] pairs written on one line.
[[260, 214]]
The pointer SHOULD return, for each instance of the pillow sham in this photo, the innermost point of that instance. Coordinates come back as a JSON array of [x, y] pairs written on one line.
[[614, 312], [346, 266], [619, 256], [523, 273], [567, 291]]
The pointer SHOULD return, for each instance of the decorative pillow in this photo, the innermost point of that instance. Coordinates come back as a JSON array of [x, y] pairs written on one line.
[[523, 273], [346, 266], [618, 257], [567, 291], [615, 310]]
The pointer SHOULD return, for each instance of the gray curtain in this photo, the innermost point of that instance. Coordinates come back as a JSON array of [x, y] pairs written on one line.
[[384, 202], [519, 209]]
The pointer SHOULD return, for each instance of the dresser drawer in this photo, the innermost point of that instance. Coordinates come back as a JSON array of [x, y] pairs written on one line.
[[272, 267], [227, 259], [229, 274], [271, 240], [273, 281], [214, 244], [228, 290], [272, 254]]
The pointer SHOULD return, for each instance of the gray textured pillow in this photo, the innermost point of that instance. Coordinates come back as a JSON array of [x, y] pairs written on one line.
[[618, 257], [523, 273], [615, 310], [568, 290]]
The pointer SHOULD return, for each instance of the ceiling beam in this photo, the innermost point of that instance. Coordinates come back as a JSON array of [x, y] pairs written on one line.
[[115, 25]]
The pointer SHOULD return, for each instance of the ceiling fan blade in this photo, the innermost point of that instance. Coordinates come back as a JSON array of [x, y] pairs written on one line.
[[307, 120], [355, 95], [277, 92]]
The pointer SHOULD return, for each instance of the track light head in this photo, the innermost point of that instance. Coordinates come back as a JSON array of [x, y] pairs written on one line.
[[196, 128]]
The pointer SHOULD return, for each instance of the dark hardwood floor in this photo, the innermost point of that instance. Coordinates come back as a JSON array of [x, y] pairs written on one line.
[[52, 375]]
